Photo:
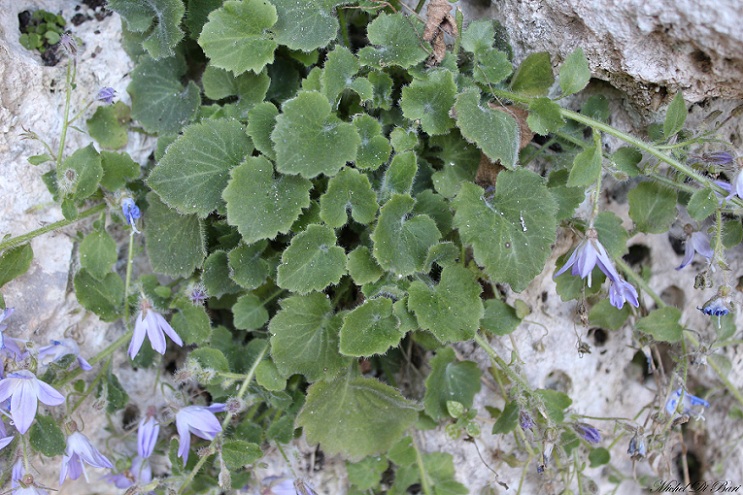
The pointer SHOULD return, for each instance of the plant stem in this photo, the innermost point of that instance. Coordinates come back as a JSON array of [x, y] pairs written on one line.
[[500, 362], [425, 482], [17, 241], [419, 7], [128, 279], [243, 388], [96, 359], [71, 68]]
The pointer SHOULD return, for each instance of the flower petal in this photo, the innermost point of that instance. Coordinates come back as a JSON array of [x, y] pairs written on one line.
[[137, 337], [48, 395], [184, 437], [157, 339], [23, 405]]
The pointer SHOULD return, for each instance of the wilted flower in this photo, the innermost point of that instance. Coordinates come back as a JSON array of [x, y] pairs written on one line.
[[24, 390], [131, 212], [525, 420], [198, 294], [587, 432], [691, 405], [106, 95], [714, 157], [637, 448], [695, 242], [80, 449], [60, 348], [68, 44], [151, 323], [199, 420]]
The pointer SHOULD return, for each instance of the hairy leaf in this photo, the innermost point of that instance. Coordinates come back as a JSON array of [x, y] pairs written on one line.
[[369, 329], [312, 261], [429, 100], [450, 380]]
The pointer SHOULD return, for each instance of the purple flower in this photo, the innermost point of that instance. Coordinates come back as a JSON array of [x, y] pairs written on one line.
[[17, 473], [621, 291], [4, 438], [68, 43], [637, 447], [719, 304], [198, 295], [152, 324], [24, 390], [131, 212], [715, 158], [147, 433], [525, 420], [199, 420], [587, 433], [695, 242], [690, 405], [80, 449], [106, 95], [589, 253], [60, 348]]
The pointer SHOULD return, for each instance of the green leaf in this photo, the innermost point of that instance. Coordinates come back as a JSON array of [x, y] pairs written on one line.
[[261, 122], [492, 66], [403, 139], [304, 337], [429, 100], [374, 149], [397, 39], [702, 204], [366, 474], [196, 167], [495, 132], [626, 159], [98, 253], [267, 376], [435, 206], [567, 198], [382, 88], [312, 261], [604, 315], [340, 67], [362, 267], [499, 318], [39, 159], [237, 37], [596, 107], [403, 453], [732, 233], [116, 397], [216, 275], [460, 162], [249, 88], [675, 116], [118, 169], [598, 457], [305, 25], [574, 73], [80, 173], [450, 380], [555, 403], [400, 174], [478, 37], [369, 329], [663, 324], [159, 20], [355, 417], [197, 12], [586, 168], [652, 207], [109, 125], [401, 243], [611, 233], [534, 76], [260, 205], [349, 190], [103, 297], [508, 419], [310, 140], [175, 243], [46, 437], [160, 102], [570, 287], [544, 116], [15, 262], [247, 267], [452, 309], [192, 323], [238, 453], [511, 234]]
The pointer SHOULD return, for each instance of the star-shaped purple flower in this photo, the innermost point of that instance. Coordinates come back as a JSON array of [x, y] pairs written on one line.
[[80, 449], [24, 391], [153, 325], [106, 95], [199, 420], [696, 242], [60, 348], [131, 212]]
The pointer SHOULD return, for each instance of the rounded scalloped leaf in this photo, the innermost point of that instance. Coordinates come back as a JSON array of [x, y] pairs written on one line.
[[312, 261], [261, 205], [195, 169], [370, 329], [81, 172], [451, 310], [305, 25], [304, 337], [355, 417], [430, 101], [348, 190], [160, 20], [450, 380], [401, 243], [309, 140], [159, 101], [236, 37], [374, 148], [398, 41], [512, 233]]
